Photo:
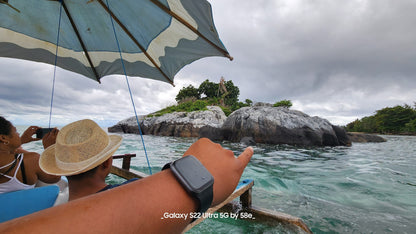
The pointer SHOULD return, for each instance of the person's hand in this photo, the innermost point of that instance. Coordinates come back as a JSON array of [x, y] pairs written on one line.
[[222, 164], [27, 135], [50, 138]]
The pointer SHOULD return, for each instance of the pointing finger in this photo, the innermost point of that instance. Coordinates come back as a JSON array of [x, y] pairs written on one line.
[[246, 156]]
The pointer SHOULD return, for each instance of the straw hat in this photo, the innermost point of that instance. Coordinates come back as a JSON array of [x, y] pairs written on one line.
[[80, 146]]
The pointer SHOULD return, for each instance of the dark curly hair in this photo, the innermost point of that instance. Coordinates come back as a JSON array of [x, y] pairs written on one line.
[[5, 126]]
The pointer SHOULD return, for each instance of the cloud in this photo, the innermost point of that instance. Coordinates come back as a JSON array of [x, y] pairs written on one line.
[[340, 60], [330, 58]]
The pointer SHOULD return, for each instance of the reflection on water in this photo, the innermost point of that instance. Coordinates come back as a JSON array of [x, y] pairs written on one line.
[[366, 188]]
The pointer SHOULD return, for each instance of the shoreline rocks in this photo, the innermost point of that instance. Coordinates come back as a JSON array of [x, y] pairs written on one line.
[[364, 137]]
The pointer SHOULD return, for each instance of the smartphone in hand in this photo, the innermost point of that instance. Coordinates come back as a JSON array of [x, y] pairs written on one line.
[[42, 132]]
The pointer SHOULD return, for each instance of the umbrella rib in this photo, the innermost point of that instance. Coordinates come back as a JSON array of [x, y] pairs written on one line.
[[8, 4], [134, 40], [81, 42], [192, 28]]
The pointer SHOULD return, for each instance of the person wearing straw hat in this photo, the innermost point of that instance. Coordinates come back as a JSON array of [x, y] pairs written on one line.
[[82, 152]]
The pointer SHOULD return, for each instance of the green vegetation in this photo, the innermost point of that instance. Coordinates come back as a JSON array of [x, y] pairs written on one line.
[[283, 103], [223, 94], [198, 105], [187, 92], [389, 120]]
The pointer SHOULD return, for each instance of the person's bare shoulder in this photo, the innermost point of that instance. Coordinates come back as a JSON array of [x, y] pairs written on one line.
[[32, 159], [31, 156]]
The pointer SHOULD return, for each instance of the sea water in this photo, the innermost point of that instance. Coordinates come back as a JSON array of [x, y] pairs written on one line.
[[365, 188]]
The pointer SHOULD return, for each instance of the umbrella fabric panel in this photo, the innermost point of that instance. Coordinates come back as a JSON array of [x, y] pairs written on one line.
[[31, 34], [40, 19], [37, 19], [145, 22], [202, 13]]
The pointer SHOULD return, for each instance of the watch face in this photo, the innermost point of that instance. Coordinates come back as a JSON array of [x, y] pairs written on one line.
[[195, 175]]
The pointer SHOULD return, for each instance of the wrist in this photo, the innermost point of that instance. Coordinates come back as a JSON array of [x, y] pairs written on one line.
[[195, 179], [188, 199]]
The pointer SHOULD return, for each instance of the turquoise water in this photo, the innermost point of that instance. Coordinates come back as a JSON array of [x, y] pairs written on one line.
[[366, 188]]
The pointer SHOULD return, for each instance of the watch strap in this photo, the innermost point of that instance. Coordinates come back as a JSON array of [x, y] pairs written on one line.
[[204, 197], [166, 166]]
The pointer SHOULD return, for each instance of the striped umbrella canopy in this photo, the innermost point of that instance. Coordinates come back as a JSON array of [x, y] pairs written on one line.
[[154, 38]]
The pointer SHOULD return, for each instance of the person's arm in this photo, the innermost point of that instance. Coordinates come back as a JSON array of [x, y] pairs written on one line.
[[27, 135], [50, 138], [141, 206], [20, 150], [33, 159]]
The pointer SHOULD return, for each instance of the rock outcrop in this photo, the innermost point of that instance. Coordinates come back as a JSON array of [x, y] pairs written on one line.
[[180, 124], [128, 125], [248, 125], [279, 125], [364, 138]]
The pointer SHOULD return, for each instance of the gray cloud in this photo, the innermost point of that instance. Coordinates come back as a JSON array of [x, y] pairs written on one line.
[[340, 60], [330, 58]]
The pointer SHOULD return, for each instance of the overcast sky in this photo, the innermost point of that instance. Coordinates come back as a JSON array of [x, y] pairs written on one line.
[[340, 60]]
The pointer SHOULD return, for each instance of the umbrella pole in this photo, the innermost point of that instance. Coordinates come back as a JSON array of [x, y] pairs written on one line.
[[128, 85], [56, 60]]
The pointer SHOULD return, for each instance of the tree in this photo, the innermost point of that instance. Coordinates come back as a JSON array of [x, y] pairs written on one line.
[[411, 126], [249, 102], [353, 126], [209, 89], [388, 120], [394, 119], [369, 124], [232, 93], [226, 96], [284, 103], [187, 92]]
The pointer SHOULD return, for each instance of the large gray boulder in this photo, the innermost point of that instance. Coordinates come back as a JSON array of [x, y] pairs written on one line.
[[180, 124], [279, 125]]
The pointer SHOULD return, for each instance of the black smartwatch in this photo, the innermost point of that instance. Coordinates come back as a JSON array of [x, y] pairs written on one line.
[[195, 178]]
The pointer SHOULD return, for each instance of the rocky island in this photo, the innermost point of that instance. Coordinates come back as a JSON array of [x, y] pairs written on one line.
[[261, 123]]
